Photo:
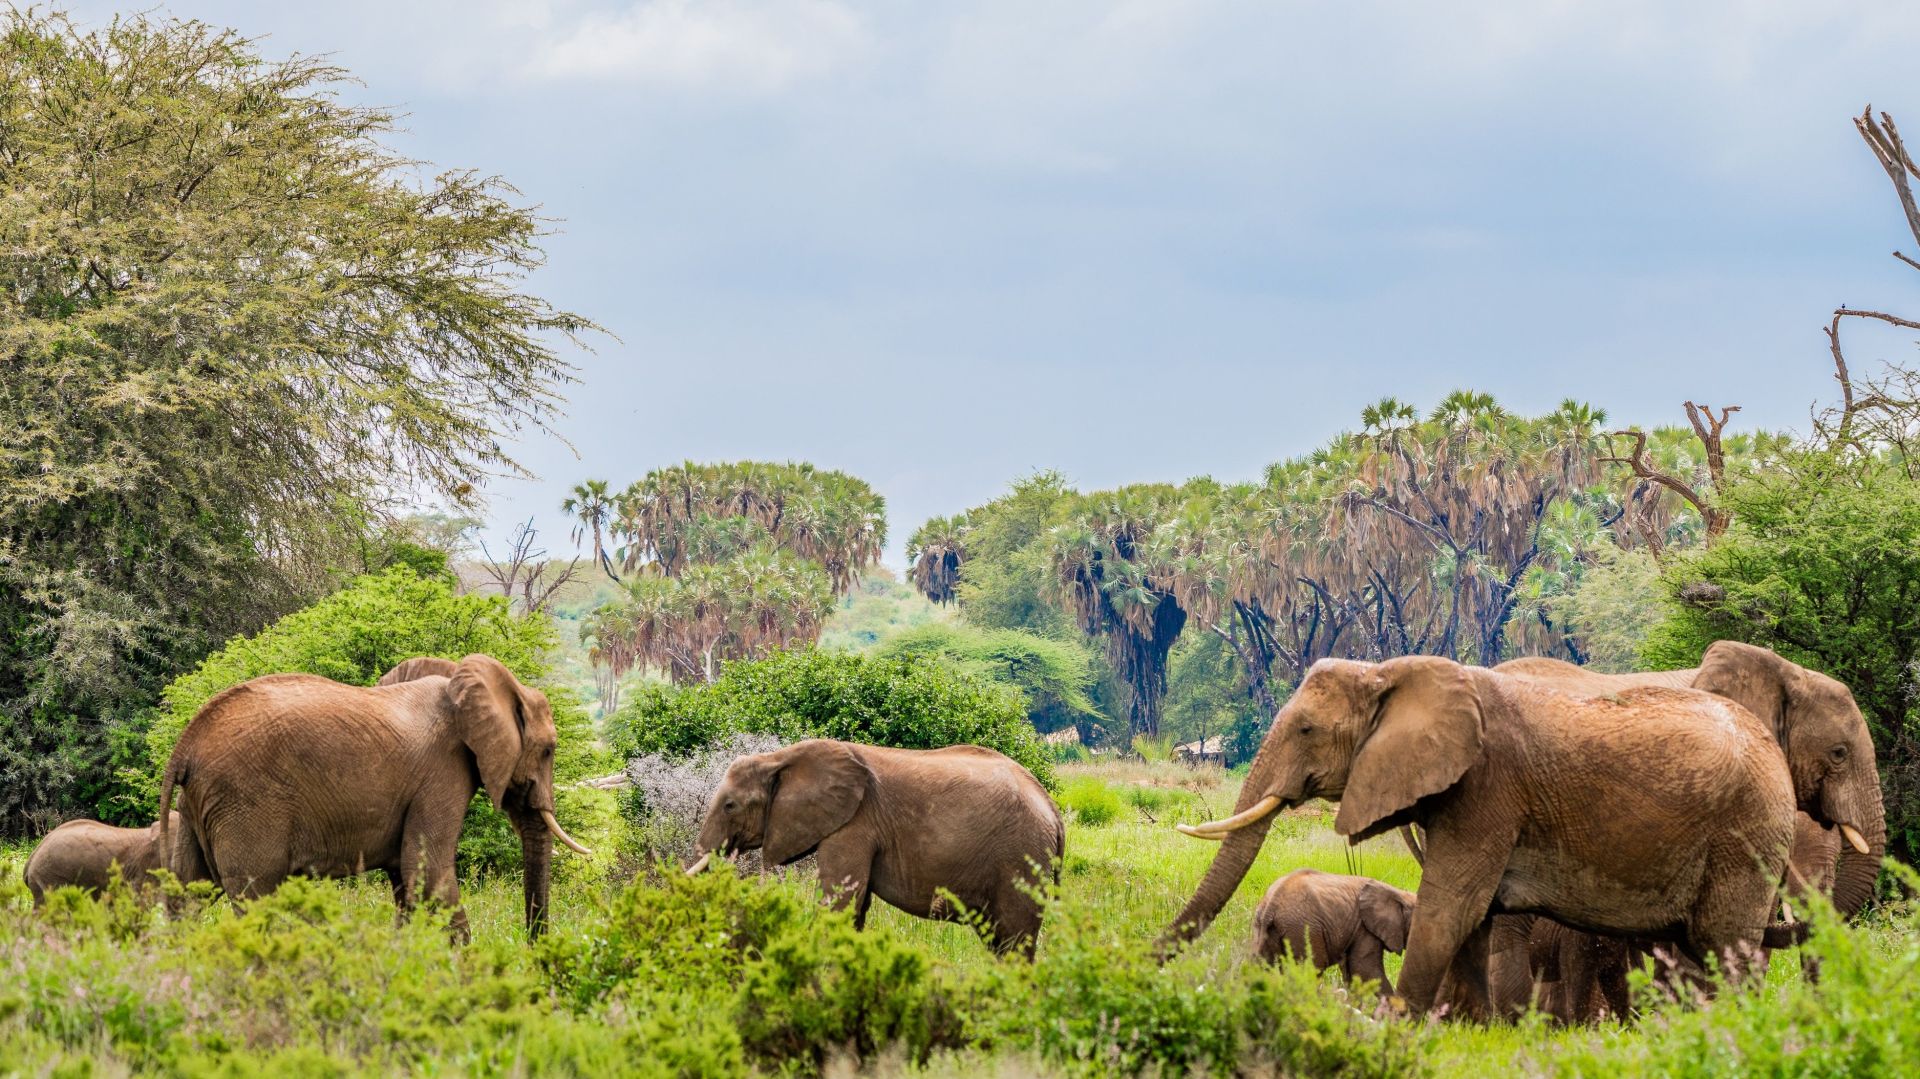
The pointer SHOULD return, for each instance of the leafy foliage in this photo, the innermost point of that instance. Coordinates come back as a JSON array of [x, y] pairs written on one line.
[[230, 322], [855, 698], [1056, 676], [1821, 564]]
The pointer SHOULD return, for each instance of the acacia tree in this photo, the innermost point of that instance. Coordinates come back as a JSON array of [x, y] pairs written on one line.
[[234, 325]]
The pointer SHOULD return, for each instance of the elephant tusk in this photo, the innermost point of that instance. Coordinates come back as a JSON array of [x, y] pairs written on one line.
[[1220, 828], [561, 834], [1188, 829], [695, 868], [1858, 841]]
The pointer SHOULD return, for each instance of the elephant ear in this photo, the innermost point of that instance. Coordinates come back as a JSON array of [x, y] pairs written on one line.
[[1425, 731], [817, 788], [486, 712], [1751, 677], [1385, 911], [408, 670]]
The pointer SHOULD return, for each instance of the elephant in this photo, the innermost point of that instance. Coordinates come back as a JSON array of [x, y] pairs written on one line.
[[296, 774], [906, 825], [1660, 813], [1349, 921], [82, 853], [1814, 719]]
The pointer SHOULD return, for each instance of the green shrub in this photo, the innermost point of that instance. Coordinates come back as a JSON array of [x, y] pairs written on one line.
[[1055, 675], [1091, 802], [1069, 753], [813, 694]]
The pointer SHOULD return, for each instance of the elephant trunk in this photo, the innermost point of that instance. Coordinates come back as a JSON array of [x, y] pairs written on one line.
[[1857, 873], [536, 860], [1229, 867]]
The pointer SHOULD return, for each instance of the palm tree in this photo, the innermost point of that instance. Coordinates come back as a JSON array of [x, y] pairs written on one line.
[[591, 507]]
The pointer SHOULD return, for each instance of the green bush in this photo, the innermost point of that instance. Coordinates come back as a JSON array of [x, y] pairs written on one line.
[[1055, 675], [1091, 802], [813, 694]]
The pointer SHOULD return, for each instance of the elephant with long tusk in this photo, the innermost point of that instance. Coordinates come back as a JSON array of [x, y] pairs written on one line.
[[295, 774], [1659, 813]]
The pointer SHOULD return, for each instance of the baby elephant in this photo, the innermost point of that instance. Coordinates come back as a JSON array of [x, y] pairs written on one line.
[[1351, 921], [903, 824], [82, 853]]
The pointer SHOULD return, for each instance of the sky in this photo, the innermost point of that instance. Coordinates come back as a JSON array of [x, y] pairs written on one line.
[[942, 245]]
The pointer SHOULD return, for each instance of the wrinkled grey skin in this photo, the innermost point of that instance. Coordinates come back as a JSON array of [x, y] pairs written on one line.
[[900, 824], [1331, 919], [83, 853], [293, 774], [1653, 812], [1815, 721]]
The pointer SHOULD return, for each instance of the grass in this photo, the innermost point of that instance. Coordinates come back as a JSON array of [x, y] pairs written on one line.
[[321, 981]]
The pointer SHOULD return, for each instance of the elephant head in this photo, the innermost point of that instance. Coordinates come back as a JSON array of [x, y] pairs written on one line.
[[1377, 737], [509, 730], [1828, 748], [785, 802]]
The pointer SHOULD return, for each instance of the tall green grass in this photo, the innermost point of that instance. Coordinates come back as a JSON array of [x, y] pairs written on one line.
[[723, 975]]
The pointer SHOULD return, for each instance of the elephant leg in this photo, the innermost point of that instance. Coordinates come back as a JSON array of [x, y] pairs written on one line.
[[426, 872], [1015, 918], [846, 874], [1365, 961], [1510, 977], [1610, 976], [1577, 977], [1464, 863]]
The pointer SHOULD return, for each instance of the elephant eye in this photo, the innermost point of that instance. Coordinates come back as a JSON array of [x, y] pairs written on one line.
[[1838, 753], [1306, 729], [732, 805]]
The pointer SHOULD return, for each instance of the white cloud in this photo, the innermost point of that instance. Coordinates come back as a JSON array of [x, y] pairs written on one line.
[[749, 46]]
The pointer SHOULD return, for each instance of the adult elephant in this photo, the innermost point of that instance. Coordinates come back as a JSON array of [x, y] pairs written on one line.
[[296, 774], [912, 826], [1654, 812], [1813, 718]]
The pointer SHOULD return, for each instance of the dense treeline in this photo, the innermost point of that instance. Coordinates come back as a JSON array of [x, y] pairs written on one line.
[[233, 327], [1467, 534]]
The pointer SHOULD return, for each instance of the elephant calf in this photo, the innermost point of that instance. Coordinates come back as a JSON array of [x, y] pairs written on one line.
[[1329, 918], [907, 825], [82, 853]]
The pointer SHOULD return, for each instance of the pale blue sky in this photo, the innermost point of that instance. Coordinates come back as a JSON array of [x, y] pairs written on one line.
[[939, 245]]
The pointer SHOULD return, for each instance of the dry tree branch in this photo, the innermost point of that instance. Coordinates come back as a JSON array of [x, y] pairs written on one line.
[[538, 592], [1883, 137], [1709, 432]]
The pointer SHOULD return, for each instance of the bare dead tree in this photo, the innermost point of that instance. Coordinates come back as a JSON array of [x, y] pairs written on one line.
[[1888, 403], [1708, 428], [525, 570]]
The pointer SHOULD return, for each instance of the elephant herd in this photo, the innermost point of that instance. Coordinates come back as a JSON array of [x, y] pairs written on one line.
[[1567, 822], [1567, 819], [293, 774]]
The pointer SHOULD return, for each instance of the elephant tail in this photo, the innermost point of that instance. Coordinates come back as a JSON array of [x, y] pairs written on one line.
[[167, 780]]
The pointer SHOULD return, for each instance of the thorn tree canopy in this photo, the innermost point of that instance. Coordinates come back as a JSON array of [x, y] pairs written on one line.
[[233, 323]]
